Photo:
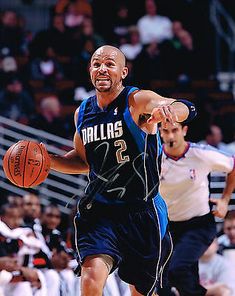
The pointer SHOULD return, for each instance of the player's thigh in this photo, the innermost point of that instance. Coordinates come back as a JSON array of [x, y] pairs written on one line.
[[96, 237]]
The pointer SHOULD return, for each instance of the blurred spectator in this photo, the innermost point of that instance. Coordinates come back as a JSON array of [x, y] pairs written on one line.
[[32, 209], [58, 34], [81, 93], [8, 68], [227, 240], [231, 146], [16, 201], [81, 64], [133, 46], [121, 24], [41, 260], [49, 119], [216, 273], [76, 12], [15, 102], [154, 27], [148, 65], [214, 137], [88, 33], [9, 64], [178, 53], [61, 255], [11, 34], [18, 242], [57, 37], [81, 7], [46, 68]]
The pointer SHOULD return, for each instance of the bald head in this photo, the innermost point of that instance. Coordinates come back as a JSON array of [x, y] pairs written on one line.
[[113, 51], [108, 69]]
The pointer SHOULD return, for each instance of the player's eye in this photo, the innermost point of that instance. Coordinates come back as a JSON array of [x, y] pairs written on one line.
[[110, 64], [96, 65]]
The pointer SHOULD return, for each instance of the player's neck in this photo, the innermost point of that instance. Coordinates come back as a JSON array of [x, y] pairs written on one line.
[[176, 151], [105, 98]]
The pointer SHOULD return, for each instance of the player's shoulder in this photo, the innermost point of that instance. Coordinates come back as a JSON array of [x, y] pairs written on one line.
[[81, 108]]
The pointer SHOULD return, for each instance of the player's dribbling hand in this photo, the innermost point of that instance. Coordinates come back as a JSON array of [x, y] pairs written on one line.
[[163, 114], [221, 207]]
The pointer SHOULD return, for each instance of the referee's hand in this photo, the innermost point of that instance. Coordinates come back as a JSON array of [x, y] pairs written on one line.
[[221, 207]]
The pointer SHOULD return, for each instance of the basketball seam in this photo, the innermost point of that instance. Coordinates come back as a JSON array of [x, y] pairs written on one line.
[[8, 166], [26, 152], [40, 168]]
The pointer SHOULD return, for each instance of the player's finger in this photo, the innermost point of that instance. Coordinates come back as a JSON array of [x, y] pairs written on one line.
[[173, 113], [167, 114], [150, 119], [155, 116]]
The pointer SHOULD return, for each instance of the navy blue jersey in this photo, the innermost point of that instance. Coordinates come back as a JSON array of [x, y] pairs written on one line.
[[122, 158]]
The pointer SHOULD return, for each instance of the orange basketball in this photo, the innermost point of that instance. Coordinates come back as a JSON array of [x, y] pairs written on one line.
[[26, 164]]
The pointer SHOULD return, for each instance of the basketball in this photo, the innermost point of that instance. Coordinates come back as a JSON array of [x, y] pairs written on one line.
[[26, 164]]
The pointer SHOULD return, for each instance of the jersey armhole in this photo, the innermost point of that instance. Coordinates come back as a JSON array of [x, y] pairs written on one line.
[[81, 115]]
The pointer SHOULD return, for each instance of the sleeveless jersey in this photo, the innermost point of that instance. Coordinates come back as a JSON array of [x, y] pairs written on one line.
[[123, 159]]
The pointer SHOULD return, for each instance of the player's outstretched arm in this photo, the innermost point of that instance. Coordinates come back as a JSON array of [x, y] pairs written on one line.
[[162, 109]]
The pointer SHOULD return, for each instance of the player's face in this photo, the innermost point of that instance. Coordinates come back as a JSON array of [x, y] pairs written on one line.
[[107, 69], [173, 135], [229, 229]]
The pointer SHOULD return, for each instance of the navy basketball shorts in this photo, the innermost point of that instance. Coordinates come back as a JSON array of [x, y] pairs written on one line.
[[131, 237]]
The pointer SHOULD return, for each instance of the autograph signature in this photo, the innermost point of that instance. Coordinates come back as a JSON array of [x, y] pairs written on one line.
[[110, 176], [105, 180]]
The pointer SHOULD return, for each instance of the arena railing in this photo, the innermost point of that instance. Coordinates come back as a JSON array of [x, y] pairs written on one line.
[[63, 189]]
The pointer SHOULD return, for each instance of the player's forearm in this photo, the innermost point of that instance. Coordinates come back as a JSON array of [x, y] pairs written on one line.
[[70, 163], [183, 109], [229, 186]]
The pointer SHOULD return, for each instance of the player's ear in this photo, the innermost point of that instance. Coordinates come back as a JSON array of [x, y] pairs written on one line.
[[124, 72]]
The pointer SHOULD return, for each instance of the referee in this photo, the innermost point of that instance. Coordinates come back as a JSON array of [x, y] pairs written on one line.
[[185, 187]]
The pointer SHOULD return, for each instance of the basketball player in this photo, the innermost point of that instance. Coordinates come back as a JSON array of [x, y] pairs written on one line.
[[184, 186], [122, 221]]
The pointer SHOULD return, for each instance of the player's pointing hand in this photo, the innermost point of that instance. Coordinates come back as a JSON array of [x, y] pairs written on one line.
[[163, 114]]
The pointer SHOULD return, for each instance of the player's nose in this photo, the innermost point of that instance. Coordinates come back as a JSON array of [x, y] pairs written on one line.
[[102, 68]]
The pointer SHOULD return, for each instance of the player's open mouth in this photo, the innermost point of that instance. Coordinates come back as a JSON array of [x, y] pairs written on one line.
[[102, 79]]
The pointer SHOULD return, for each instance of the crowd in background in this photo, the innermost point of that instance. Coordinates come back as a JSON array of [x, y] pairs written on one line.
[[38, 254], [36, 258], [168, 46]]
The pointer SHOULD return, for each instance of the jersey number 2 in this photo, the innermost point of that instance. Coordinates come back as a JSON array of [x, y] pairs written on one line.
[[119, 153]]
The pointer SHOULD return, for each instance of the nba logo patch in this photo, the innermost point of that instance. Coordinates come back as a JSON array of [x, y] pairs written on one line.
[[192, 174], [115, 111]]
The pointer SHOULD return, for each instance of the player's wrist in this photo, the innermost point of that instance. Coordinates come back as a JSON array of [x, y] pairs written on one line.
[[189, 113]]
